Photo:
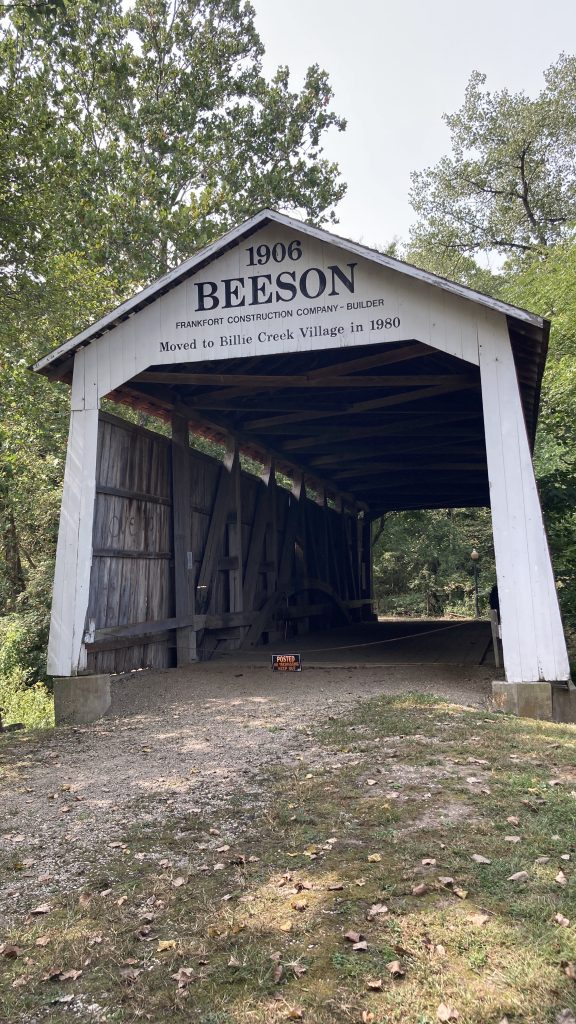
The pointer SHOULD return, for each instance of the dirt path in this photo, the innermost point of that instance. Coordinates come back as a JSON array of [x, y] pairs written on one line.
[[187, 740]]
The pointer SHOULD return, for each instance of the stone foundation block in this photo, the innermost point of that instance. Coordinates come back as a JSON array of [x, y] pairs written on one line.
[[529, 700], [79, 700], [564, 703]]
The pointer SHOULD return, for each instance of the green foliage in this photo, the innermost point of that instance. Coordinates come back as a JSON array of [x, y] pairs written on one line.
[[138, 133], [509, 184], [422, 562], [33, 706], [22, 697], [131, 134]]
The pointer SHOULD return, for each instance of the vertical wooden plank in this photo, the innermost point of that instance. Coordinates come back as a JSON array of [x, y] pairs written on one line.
[[183, 569], [532, 636], [236, 594]]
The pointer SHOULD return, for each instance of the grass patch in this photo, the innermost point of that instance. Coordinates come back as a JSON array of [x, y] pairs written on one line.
[[242, 917]]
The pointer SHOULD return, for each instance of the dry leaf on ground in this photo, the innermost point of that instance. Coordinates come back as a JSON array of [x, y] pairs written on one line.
[[446, 1013], [420, 889], [395, 968], [375, 910], [562, 921], [518, 876], [374, 858], [479, 859], [478, 919], [183, 976], [561, 878], [374, 984]]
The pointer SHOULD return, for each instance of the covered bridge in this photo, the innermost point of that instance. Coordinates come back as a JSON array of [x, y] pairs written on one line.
[[359, 382]]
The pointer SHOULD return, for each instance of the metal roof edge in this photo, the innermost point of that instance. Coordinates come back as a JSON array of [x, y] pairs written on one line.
[[226, 241]]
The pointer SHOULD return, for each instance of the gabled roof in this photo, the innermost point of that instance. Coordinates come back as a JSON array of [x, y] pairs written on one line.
[[528, 323]]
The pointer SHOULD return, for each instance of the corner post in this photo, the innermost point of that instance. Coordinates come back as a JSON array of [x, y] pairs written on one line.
[[66, 651], [533, 641]]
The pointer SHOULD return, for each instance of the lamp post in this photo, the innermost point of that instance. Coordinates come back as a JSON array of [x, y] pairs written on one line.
[[475, 557]]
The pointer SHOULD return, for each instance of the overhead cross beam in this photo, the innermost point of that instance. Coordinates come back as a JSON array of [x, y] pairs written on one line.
[[455, 383]]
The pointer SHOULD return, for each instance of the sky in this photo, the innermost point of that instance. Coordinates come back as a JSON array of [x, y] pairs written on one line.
[[395, 67]]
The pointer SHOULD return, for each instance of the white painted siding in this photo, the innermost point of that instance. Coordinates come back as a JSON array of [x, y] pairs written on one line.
[[532, 634]]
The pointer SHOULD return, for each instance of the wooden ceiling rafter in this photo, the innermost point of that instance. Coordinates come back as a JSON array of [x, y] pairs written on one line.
[[254, 448], [457, 383]]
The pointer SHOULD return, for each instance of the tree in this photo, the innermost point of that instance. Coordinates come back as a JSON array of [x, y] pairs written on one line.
[[131, 135], [156, 131], [509, 187], [509, 184]]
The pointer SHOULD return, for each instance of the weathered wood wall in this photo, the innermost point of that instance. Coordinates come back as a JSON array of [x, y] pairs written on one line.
[[192, 555]]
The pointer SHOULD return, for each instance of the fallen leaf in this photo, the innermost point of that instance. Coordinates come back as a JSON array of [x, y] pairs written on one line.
[[512, 839], [518, 876], [462, 894], [374, 984], [183, 976], [300, 905], [565, 1017], [178, 882], [286, 926], [360, 947], [429, 862], [219, 867], [375, 910], [513, 820], [222, 849], [368, 1017], [561, 878], [478, 919], [445, 1013], [295, 1014], [562, 921], [542, 860], [234, 962], [44, 908], [353, 936], [420, 889], [10, 952], [165, 944], [479, 859], [395, 969], [42, 940], [298, 970], [374, 858], [570, 971], [70, 975], [130, 973], [278, 972]]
